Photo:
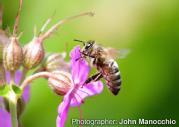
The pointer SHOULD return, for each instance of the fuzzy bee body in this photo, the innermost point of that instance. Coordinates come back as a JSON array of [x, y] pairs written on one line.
[[110, 72], [106, 66]]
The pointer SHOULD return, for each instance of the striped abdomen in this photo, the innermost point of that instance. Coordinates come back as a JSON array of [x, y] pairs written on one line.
[[111, 74]]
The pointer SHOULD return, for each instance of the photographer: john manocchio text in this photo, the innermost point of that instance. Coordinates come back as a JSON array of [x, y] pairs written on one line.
[[140, 121], [147, 121]]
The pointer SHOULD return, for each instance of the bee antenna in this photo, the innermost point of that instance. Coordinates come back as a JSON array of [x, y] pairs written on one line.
[[80, 41]]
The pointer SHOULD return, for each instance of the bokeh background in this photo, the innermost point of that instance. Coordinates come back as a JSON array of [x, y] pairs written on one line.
[[149, 28]]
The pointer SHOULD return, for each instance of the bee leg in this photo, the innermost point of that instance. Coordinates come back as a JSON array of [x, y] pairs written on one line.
[[89, 55], [94, 78], [79, 58], [82, 56], [92, 56]]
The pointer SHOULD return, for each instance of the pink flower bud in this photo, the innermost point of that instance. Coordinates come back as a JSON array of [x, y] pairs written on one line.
[[3, 41], [33, 53], [55, 61], [62, 84], [12, 52], [12, 55]]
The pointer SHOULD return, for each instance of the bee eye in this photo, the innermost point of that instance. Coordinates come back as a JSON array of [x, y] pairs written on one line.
[[87, 46]]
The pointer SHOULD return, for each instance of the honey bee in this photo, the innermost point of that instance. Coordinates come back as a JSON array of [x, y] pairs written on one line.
[[103, 60]]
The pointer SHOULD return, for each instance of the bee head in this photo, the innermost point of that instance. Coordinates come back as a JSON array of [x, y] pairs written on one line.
[[88, 46]]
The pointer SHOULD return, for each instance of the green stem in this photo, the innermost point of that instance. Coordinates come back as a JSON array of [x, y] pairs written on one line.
[[13, 112], [24, 72], [2, 75], [12, 77]]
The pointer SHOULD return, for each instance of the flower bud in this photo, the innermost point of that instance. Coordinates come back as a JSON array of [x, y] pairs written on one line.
[[55, 61], [3, 41], [62, 84], [33, 53], [12, 55]]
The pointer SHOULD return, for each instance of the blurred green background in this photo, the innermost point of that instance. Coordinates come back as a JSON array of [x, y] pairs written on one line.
[[149, 28]]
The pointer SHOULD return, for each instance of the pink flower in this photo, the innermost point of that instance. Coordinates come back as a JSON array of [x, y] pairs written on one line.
[[76, 95], [5, 120]]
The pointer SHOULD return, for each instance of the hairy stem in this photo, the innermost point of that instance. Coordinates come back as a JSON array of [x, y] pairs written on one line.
[[2, 75], [61, 22], [1, 14], [80, 115], [45, 25], [24, 73], [17, 18], [29, 79], [12, 77], [13, 112]]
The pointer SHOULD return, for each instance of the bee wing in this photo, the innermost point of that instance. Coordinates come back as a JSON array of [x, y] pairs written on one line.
[[116, 53]]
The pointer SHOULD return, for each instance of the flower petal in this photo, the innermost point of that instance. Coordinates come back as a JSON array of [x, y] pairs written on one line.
[[17, 76], [87, 90], [25, 94], [79, 68], [8, 77], [63, 110], [1, 102], [5, 120]]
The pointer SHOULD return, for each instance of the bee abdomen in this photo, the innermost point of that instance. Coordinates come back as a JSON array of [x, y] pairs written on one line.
[[113, 79], [114, 85]]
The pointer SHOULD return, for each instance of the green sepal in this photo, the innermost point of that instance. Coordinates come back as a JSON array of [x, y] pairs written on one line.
[[17, 90], [4, 90]]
